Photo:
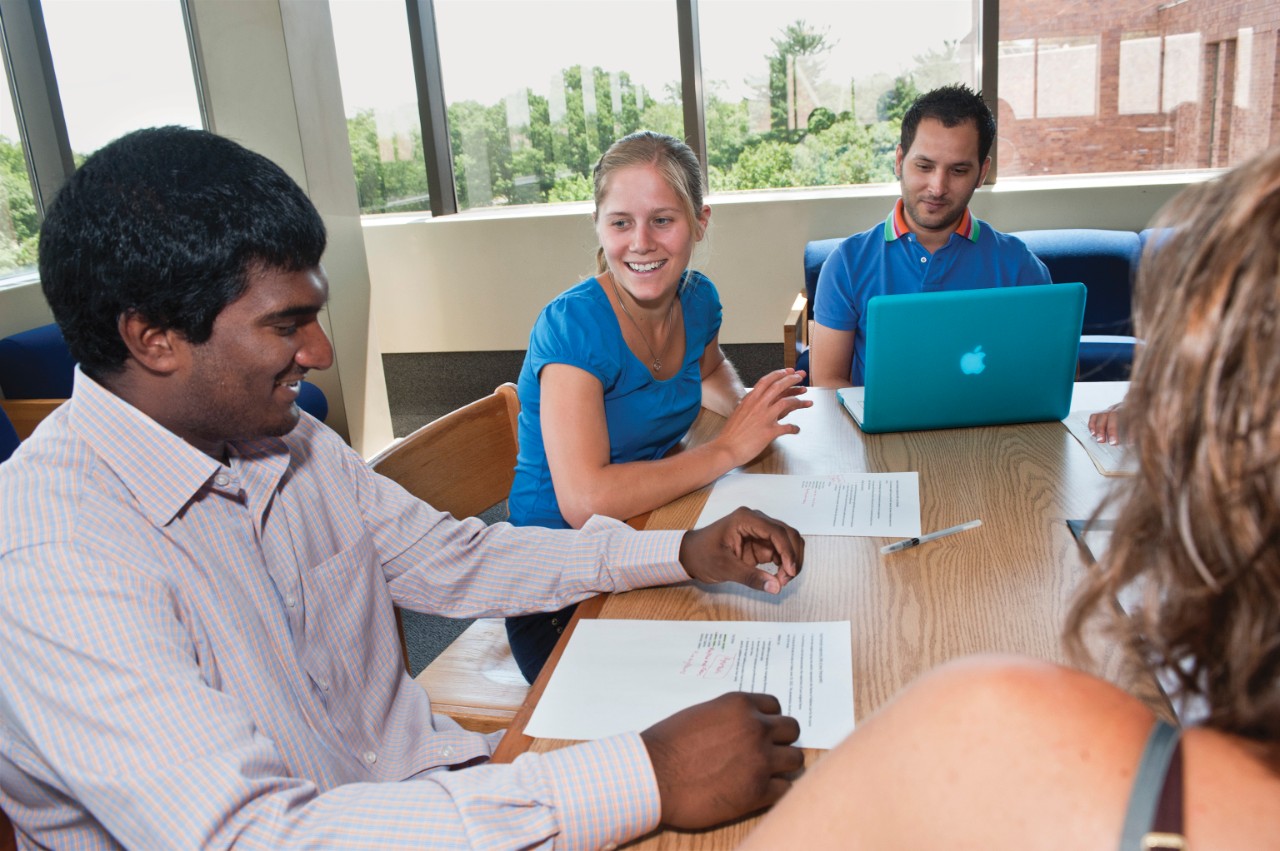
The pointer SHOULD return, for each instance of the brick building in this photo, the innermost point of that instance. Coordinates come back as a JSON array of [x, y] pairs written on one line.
[[1135, 85]]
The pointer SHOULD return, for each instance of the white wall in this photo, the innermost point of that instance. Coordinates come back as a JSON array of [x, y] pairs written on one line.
[[23, 307], [476, 281]]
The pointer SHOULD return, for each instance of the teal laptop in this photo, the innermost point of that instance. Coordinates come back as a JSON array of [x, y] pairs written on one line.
[[969, 358]]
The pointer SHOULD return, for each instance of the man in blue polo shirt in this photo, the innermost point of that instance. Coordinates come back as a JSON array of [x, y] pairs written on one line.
[[929, 242]]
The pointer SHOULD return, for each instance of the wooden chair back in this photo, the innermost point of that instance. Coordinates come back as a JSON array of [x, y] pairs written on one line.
[[464, 463], [26, 414]]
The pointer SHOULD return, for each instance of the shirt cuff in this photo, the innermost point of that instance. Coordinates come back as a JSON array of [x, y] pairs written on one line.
[[605, 791], [639, 559]]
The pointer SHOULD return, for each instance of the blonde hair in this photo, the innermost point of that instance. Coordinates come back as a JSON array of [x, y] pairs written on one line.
[[675, 161], [1200, 522]]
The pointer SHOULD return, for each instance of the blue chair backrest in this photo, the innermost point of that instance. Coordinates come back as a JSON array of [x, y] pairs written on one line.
[[312, 400], [8, 437], [1104, 260], [815, 254], [36, 364]]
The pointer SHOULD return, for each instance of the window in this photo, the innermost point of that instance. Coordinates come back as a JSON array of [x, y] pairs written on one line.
[[812, 93], [805, 92], [380, 97], [19, 224], [533, 103], [1134, 85], [120, 67]]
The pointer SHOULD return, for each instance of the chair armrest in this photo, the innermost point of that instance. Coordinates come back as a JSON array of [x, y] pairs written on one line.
[[795, 330], [26, 414]]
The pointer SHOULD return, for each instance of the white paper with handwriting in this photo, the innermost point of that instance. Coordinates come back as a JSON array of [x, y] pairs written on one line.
[[621, 675], [874, 504]]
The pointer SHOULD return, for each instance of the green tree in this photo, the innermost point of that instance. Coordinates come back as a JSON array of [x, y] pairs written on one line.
[[482, 159], [362, 133], [798, 41], [575, 187], [936, 68], [19, 223], [728, 128], [893, 104], [764, 165]]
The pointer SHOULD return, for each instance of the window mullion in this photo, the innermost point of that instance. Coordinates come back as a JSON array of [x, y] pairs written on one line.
[[695, 124], [431, 107], [989, 72], [41, 124]]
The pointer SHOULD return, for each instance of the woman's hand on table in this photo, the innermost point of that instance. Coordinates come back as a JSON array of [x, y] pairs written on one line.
[[722, 759], [754, 423], [733, 548], [1105, 425]]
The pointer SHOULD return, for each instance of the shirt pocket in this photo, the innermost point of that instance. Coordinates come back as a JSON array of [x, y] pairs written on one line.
[[352, 648]]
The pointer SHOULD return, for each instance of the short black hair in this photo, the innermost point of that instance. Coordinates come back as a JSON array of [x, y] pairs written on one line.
[[167, 223], [952, 105]]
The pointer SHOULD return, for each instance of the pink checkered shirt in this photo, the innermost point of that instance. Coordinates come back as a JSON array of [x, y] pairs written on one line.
[[195, 655]]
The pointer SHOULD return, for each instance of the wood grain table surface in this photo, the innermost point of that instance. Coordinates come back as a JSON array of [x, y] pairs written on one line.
[[1003, 587]]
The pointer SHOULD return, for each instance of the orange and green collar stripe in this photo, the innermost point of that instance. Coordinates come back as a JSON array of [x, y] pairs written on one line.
[[896, 225]]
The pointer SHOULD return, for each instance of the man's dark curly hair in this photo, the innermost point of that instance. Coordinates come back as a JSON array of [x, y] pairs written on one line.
[[953, 106], [167, 223]]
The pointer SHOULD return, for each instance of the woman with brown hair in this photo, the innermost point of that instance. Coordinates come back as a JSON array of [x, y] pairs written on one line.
[[1009, 753]]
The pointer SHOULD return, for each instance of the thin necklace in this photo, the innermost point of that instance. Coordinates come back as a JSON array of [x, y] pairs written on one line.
[[656, 364]]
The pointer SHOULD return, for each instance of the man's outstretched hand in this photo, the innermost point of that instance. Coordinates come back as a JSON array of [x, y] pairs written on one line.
[[723, 759], [733, 548]]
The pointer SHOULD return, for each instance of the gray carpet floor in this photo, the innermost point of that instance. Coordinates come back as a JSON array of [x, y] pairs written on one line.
[[422, 387]]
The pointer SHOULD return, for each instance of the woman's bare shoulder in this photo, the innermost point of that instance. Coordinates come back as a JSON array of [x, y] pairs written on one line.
[[1007, 752], [990, 751]]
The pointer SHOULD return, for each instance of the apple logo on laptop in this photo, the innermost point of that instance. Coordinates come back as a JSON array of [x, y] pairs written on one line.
[[974, 362]]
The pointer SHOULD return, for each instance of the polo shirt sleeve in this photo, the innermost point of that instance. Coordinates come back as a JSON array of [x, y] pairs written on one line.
[[834, 305], [574, 330], [1032, 269]]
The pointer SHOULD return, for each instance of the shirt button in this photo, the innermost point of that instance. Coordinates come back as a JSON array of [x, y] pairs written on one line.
[[446, 751], [291, 601], [611, 847], [221, 480], [924, 259], [323, 683], [370, 757]]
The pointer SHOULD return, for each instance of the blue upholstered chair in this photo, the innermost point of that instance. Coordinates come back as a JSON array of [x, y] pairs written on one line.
[[1105, 261], [796, 330], [312, 400], [36, 364]]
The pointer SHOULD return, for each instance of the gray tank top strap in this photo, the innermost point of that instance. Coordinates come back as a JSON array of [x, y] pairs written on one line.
[[1148, 786]]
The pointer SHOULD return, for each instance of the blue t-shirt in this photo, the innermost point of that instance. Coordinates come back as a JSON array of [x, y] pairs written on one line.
[[889, 259], [645, 416]]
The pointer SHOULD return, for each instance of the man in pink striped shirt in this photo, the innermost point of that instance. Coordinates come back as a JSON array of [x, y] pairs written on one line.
[[197, 581]]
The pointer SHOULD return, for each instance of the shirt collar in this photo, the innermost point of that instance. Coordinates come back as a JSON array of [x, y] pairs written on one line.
[[162, 471], [896, 227]]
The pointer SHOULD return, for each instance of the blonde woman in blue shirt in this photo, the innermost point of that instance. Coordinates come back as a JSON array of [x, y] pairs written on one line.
[[619, 365]]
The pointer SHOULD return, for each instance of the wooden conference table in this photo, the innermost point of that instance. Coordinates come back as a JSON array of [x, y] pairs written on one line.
[[1004, 587]]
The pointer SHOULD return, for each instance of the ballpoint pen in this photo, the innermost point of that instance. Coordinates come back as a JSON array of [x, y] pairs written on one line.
[[932, 536]]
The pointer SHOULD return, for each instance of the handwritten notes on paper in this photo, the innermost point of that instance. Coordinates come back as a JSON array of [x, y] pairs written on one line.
[[621, 675], [880, 504]]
